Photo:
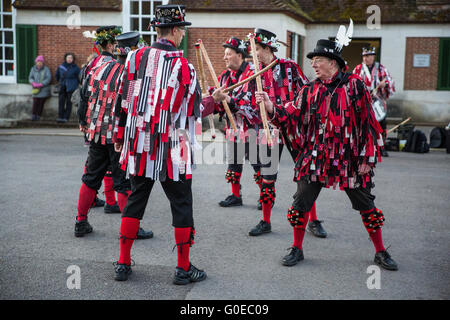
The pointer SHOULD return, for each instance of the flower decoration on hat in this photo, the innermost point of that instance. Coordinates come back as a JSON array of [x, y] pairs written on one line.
[[232, 42], [260, 38], [107, 35]]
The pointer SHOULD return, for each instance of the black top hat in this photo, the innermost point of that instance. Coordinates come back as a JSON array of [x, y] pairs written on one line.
[[238, 45], [127, 42], [170, 16], [327, 48], [367, 51], [267, 38]]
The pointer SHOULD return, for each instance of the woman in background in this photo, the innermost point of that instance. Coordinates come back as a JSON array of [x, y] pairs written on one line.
[[67, 76], [39, 78]]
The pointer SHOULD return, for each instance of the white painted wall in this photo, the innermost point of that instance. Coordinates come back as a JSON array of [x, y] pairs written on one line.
[[435, 104], [59, 18], [277, 23]]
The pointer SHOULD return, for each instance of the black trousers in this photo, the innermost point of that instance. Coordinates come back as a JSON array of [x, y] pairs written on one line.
[[308, 192], [102, 158], [64, 104], [179, 194], [259, 156], [38, 106]]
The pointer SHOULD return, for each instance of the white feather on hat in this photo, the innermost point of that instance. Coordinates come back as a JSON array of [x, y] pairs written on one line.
[[344, 38], [89, 34]]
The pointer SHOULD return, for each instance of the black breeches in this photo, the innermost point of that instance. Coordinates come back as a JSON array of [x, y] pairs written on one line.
[[102, 158], [308, 192], [179, 194]]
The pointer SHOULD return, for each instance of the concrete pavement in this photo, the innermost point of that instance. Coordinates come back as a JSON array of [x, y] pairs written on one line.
[[39, 190]]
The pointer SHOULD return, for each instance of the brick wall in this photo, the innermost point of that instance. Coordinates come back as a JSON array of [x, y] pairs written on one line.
[[55, 41], [213, 38], [421, 78]]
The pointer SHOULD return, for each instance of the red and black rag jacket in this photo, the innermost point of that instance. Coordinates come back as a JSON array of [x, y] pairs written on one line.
[[161, 103], [335, 131], [282, 83]]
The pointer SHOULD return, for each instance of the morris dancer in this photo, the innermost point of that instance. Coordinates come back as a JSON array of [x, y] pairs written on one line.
[[282, 83], [378, 80], [339, 143], [160, 106], [245, 114], [96, 120]]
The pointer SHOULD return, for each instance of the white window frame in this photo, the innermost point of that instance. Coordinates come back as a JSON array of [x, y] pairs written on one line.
[[295, 40], [127, 16], [11, 78]]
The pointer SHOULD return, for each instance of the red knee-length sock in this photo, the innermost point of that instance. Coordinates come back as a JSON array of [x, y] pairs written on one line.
[[122, 199], [312, 213], [236, 189], [267, 207], [376, 237], [85, 199], [299, 234], [183, 241], [110, 195], [129, 228], [377, 240], [267, 211]]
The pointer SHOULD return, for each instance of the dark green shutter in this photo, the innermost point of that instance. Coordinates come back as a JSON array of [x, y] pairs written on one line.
[[184, 44], [26, 45], [444, 65]]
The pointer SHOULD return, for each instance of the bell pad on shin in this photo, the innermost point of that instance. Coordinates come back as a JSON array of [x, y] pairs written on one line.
[[373, 220], [296, 218]]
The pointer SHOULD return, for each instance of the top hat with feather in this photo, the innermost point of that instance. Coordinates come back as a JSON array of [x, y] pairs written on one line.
[[333, 49]]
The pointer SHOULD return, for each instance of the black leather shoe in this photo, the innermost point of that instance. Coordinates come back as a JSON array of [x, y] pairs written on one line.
[[384, 153], [98, 203], [315, 227], [112, 209], [293, 257], [192, 275], [384, 260], [231, 201], [142, 234], [82, 228], [122, 271], [260, 228]]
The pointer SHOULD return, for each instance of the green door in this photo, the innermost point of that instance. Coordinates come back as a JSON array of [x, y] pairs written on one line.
[[26, 40]]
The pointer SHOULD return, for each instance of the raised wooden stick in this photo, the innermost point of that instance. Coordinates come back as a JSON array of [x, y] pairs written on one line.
[[204, 85], [262, 108], [234, 86], [393, 128], [216, 83]]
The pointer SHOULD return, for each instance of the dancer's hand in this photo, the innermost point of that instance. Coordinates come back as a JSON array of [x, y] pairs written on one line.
[[118, 147], [264, 97], [219, 95], [363, 169]]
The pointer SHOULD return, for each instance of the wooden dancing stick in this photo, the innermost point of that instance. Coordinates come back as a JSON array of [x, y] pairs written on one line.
[[262, 108], [204, 85], [234, 86], [216, 83], [393, 128]]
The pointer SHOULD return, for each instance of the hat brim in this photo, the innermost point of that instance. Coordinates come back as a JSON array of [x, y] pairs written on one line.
[[339, 60], [368, 54], [172, 24]]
